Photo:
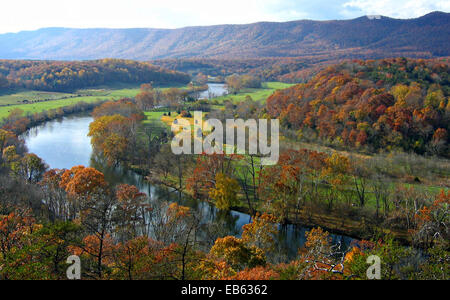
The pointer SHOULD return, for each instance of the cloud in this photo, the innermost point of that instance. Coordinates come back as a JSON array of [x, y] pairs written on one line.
[[396, 8], [29, 15]]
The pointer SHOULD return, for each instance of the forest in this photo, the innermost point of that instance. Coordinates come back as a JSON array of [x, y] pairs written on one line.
[[364, 153], [372, 105], [71, 76], [290, 70]]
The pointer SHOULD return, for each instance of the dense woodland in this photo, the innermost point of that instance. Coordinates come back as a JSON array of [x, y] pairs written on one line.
[[290, 70], [71, 76], [119, 233], [47, 215], [374, 105]]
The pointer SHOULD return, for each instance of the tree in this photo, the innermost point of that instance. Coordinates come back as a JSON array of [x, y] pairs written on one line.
[[55, 197], [7, 139], [32, 168], [234, 84], [237, 254], [261, 233], [173, 97], [250, 181], [95, 205], [283, 186], [225, 192], [130, 214], [203, 178], [83, 182], [135, 259], [381, 190], [433, 221], [4, 83], [391, 255], [148, 98], [112, 136], [96, 252], [16, 122], [361, 177], [322, 260]]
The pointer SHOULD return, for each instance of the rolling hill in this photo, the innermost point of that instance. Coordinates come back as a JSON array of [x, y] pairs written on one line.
[[365, 37]]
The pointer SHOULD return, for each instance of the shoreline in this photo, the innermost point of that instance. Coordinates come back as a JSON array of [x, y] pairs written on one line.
[[330, 223]]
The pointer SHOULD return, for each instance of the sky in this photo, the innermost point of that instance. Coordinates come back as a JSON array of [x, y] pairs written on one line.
[[18, 15]]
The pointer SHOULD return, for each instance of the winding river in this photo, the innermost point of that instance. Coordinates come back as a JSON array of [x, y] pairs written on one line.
[[215, 90], [64, 143]]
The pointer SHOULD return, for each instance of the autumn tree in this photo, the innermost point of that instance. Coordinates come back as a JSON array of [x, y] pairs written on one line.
[[131, 211], [148, 98], [111, 136], [433, 221], [225, 192], [204, 175], [261, 232], [237, 253], [95, 204]]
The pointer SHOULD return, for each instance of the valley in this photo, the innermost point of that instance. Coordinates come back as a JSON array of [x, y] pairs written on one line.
[[143, 154]]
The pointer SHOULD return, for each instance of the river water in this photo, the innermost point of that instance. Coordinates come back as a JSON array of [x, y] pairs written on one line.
[[215, 90], [64, 143]]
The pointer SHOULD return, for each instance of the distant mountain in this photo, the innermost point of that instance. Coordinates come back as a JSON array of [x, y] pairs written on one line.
[[428, 36]]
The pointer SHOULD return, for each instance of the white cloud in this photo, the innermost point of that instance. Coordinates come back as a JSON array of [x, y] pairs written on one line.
[[22, 15], [19, 15], [398, 8]]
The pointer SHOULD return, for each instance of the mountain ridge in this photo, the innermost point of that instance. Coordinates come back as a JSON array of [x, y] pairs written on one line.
[[427, 36]]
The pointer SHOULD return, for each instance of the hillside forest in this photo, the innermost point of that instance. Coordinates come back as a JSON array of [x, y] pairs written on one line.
[[364, 153]]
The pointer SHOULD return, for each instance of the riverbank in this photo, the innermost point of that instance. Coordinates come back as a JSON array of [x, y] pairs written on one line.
[[334, 224], [30, 121]]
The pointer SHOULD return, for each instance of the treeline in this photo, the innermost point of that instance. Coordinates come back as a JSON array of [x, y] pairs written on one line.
[[266, 69], [235, 83], [120, 234], [18, 121], [374, 105], [70, 76]]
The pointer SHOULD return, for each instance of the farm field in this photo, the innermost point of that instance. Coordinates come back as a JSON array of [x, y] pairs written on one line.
[[259, 95], [49, 100]]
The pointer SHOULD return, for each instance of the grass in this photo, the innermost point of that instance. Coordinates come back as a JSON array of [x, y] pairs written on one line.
[[42, 101], [19, 97], [259, 95], [50, 100], [47, 105]]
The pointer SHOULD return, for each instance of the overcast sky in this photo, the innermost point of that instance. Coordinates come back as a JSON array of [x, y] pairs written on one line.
[[17, 15]]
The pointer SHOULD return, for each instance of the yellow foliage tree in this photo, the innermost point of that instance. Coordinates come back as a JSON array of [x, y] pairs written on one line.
[[225, 192]]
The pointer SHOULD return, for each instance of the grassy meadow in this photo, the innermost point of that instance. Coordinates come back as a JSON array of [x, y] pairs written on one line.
[[41, 101], [260, 95]]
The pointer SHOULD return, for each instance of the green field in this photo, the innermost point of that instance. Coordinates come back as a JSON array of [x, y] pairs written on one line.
[[259, 95], [41, 101], [50, 100], [19, 97]]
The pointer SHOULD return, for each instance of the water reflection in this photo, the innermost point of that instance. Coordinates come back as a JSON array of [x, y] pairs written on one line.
[[215, 90], [64, 143]]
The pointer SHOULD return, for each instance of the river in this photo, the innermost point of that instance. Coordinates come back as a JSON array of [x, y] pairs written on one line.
[[64, 143], [215, 90]]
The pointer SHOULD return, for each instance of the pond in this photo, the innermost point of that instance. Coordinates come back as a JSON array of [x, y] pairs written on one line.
[[64, 143]]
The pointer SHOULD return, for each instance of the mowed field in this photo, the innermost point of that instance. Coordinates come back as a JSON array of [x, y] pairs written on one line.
[[39, 101], [52, 100], [56, 100]]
